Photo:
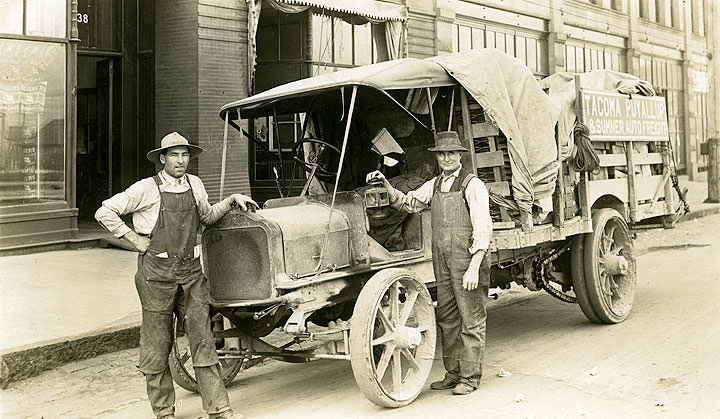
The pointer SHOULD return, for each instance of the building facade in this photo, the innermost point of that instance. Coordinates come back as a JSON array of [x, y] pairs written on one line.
[[87, 87]]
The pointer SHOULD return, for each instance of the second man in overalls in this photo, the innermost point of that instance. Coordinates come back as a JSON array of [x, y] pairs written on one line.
[[461, 229]]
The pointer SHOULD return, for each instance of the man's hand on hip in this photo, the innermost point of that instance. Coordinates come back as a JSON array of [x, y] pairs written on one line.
[[141, 243]]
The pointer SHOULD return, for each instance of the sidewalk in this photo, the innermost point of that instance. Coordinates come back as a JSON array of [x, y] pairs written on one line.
[[60, 306]]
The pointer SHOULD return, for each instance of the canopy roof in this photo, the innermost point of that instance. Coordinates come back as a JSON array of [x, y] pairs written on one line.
[[505, 88], [406, 73]]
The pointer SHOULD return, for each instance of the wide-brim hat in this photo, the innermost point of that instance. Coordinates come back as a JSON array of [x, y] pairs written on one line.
[[173, 140], [447, 141]]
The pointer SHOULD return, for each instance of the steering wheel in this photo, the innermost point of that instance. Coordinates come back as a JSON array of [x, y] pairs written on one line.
[[320, 161]]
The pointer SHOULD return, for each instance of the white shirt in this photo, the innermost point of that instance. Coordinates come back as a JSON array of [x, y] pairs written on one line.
[[477, 198], [142, 199]]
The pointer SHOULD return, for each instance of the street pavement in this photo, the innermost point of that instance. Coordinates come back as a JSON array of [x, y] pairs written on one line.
[[662, 362], [61, 306]]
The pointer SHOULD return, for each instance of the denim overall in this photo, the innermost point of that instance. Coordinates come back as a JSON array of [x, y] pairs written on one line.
[[461, 314], [175, 284]]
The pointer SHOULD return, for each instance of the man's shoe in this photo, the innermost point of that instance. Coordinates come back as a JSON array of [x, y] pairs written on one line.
[[445, 384], [462, 389]]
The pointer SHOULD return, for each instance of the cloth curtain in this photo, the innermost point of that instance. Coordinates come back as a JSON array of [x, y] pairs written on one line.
[[254, 7], [396, 38]]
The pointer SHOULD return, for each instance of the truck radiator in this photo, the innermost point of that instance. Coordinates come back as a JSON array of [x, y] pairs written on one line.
[[237, 264]]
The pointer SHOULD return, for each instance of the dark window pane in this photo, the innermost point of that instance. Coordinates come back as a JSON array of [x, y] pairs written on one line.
[[146, 25], [290, 36], [99, 24]]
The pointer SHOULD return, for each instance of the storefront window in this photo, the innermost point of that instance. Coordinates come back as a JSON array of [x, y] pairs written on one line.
[[46, 18], [41, 18], [11, 16], [32, 122]]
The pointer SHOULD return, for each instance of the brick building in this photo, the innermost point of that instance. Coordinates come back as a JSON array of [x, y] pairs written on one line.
[[89, 86]]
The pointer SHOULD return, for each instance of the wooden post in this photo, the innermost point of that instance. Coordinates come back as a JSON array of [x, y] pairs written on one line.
[[713, 175], [224, 154], [632, 200], [467, 132], [667, 168]]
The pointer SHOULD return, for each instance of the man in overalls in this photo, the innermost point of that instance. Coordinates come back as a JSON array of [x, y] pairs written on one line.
[[167, 210], [461, 229]]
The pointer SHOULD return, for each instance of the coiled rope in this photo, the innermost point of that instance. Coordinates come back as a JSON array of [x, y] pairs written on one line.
[[585, 159]]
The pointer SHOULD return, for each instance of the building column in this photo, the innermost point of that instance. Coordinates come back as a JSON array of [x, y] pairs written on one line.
[[71, 117], [661, 11], [444, 19], [556, 38], [633, 41], [691, 164]]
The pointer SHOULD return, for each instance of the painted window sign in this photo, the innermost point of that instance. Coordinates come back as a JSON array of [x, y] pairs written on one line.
[[614, 116]]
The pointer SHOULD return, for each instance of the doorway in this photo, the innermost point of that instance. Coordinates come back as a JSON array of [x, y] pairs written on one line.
[[98, 131]]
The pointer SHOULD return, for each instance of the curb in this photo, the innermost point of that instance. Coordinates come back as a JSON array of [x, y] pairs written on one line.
[[703, 212], [24, 362]]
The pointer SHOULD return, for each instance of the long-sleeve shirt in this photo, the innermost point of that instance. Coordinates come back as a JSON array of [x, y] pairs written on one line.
[[477, 198], [142, 199]]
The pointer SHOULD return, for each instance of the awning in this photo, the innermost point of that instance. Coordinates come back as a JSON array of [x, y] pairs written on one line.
[[371, 9]]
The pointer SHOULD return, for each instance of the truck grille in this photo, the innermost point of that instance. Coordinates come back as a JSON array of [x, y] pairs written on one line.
[[237, 264]]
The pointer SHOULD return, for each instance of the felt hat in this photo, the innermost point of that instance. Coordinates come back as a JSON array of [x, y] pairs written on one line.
[[447, 141], [173, 140]]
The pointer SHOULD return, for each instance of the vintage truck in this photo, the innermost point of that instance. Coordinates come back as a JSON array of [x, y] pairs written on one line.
[[333, 273]]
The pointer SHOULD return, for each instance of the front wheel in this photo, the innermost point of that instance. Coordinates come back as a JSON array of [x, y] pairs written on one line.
[[392, 337], [606, 288], [181, 367]]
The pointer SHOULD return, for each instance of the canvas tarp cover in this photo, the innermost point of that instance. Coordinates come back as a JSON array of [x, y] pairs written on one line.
[[512, 98], [561, 88]]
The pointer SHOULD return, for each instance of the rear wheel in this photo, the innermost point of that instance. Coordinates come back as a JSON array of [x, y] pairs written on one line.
[[607, 288], [392, 337], [181, 367]]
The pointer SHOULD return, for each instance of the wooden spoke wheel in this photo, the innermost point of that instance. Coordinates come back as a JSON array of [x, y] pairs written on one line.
[[604, 269], [181, 366], [392, 337]]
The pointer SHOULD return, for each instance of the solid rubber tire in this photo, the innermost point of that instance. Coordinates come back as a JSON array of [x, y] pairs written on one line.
[[577, 270]]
